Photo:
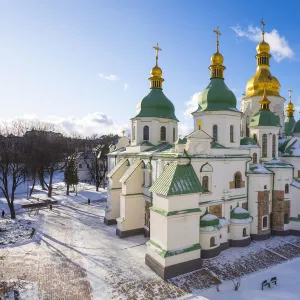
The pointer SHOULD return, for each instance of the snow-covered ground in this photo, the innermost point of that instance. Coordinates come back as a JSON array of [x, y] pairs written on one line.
[[288, 285]]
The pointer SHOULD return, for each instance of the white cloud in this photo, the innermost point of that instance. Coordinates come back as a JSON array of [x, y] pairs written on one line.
[[108, 77], [192, 105], [185, 128], [125, 87], [94, 123], [279, 45]]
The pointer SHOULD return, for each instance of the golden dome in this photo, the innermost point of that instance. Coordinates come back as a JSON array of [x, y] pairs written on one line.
[[263, 47], [156, 71], [263, 80], [217, 58], [290, 106]]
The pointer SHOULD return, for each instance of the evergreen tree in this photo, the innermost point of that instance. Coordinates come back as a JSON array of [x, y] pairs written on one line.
[[71, 177]]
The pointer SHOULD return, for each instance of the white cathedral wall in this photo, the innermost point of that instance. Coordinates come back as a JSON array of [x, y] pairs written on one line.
[[205, 237], [295, 203], [177, 202], [251, 105], [295, 161], [182, 230], [223, 173], [282, 177], [269, 131], [224, 234], [236, 231], [132, 211], [154, 130], [223, 119]]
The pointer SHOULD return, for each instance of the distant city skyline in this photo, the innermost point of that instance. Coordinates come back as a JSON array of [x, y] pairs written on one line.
[[85, 66]]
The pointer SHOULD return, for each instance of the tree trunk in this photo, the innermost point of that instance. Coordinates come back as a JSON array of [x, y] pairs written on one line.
[[50, 184], [42, 181], [32, 188], [68, 188], [12, 210]]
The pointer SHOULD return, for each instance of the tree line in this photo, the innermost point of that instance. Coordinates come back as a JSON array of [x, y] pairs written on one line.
[[34, 151]]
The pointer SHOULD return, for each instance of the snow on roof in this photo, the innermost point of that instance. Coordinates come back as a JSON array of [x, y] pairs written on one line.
[[276, 163], [209, 217], [116, 167], [130, 170], [240, 210], [292, 148], [241, 221], [258, 169], [296, 183], [223, 222]]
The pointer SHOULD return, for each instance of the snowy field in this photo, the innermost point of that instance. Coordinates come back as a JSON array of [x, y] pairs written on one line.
[[288, 286], [75, 256]]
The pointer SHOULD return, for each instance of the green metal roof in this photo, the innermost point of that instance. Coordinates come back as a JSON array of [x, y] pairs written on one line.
[[217, 96], [265, 118], [296, 128], [156, 105], [275, 163], [239, 213], [117, 166], [177, 179], [130, 170], [289, 124], [246, 141]]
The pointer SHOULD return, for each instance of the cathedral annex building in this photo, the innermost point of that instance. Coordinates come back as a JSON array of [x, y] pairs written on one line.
[[234, 179]]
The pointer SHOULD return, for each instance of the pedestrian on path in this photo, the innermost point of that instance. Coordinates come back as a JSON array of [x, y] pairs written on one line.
[[89, 201], [50, 206], [3, 213]]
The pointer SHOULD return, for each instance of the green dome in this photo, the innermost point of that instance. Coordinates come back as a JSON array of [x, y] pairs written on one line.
[[217, 96], [265, 118], [296, 128], [156, 104], [209, 219], [289, 124], [246, 140]]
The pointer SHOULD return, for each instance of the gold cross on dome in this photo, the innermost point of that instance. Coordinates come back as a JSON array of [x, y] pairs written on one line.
[[156, 49], [263, 24], [217, 31], [290, 93]]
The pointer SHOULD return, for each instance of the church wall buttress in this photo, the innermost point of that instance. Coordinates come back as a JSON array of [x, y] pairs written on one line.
[[280, 208]]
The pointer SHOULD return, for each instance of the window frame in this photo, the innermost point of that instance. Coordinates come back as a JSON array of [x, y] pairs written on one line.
[[163, 133], [146, 133]]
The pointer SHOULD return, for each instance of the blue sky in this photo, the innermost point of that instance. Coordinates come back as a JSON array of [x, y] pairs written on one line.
[[53, 53]]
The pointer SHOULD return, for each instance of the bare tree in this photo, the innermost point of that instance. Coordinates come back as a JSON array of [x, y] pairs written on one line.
[[96, 159], [12, 164], [237, 280]]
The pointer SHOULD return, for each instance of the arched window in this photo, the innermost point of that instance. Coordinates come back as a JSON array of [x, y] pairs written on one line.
[[205, 183], [255, 137], [212, 241], [133, 133], [264, 145], [244, 232], [248, 119], [163, 135], [174, 134], [254, 158], [265, 222], [237, 180], [146, 133], [286, 218], [231, 134], [286, 189], [274, 145], [215, 132]]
